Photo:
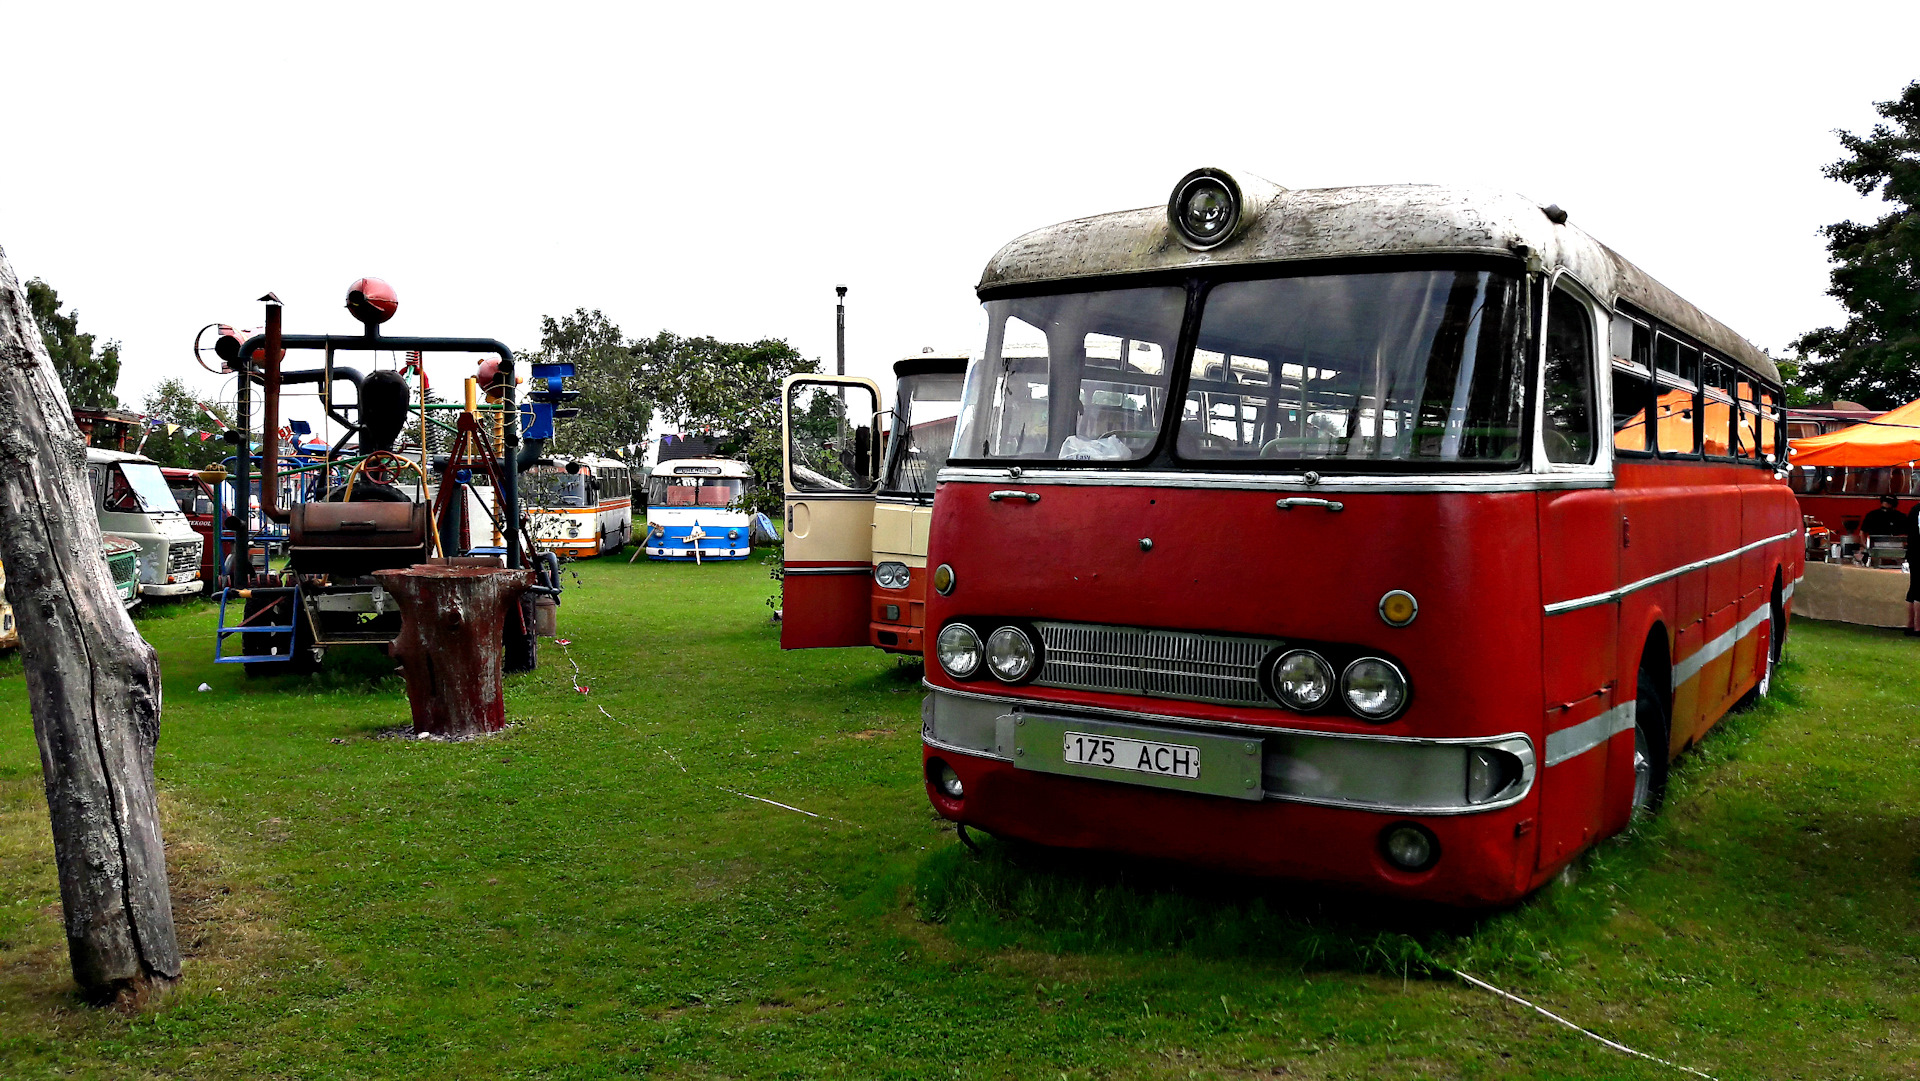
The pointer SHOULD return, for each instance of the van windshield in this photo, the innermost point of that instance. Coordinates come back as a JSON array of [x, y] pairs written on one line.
[[139, 487]]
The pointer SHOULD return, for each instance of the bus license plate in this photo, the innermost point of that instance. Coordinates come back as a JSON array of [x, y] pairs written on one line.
[[1139, 756]]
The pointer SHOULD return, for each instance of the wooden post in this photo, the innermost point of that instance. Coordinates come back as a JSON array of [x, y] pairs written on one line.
[[93, 682], [449, 642]]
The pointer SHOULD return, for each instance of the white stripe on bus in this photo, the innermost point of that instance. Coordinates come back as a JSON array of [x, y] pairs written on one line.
[[1712, 651], [1578, 739]]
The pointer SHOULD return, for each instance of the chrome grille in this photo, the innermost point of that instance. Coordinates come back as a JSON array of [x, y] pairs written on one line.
[[183, 557], [1159, 664]]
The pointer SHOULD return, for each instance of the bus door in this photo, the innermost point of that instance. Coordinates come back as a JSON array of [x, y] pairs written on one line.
[[1581, 533], [830, 471]]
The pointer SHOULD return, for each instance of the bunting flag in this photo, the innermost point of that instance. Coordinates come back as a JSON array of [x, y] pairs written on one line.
[[172, 428], [203, 436]]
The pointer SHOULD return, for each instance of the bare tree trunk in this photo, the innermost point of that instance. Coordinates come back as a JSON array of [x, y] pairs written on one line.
[[94, 683]]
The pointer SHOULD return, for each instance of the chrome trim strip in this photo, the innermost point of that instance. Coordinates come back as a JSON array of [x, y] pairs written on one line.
[[949, 748], [1267, 482], [1712, 651], [1043, 706], [827, 570], [1611, 595], [1575, 740]]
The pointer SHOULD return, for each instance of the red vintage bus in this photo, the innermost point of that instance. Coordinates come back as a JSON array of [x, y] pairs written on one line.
[[1282, 533]]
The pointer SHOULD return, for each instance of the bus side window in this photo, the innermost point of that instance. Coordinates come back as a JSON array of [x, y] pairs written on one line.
[[1567, 427], [1769, 431], [1632, 350]]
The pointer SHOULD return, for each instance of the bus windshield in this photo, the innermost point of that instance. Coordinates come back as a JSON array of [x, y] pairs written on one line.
[[665, 491], [550, 486], [1401, 365], [1081, 376], [1417, 365], [923, 420]]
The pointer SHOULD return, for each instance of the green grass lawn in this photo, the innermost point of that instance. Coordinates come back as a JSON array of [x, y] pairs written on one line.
[[592, 894]]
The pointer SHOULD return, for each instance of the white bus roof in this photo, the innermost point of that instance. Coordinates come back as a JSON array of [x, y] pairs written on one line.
[[728, 467], [1360, 222], [594, 462]]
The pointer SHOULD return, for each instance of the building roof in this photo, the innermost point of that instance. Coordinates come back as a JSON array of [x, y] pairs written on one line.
[[1360, 222]]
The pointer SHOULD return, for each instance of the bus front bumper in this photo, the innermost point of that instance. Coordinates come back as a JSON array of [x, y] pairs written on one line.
[[177, 589], [1314, 806]]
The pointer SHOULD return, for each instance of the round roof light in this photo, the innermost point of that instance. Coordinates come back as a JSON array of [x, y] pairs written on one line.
[[1205, 209]]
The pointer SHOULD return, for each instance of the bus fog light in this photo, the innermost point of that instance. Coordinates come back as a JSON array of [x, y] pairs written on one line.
[[1409, 847], [1302, 679], [1010, 654], [943, 579], [892, 575], [959, 650], [945, 780], [1374, 688], [1490, 772]]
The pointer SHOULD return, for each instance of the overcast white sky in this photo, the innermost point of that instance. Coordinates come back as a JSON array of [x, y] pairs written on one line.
[[717, 169]]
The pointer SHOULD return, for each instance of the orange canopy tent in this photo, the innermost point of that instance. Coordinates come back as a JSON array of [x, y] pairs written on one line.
[[1891, 439]]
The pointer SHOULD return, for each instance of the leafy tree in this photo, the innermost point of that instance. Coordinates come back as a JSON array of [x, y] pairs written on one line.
[[616, 403], [89, 375], [1875, 358], [173, 402], [729, 388]]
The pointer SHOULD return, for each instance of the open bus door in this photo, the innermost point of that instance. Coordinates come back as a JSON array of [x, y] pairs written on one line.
[[830, 471]]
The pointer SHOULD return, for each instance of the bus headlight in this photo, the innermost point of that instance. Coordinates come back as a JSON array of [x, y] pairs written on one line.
[[1009, 654], [892, 575], [1374, 688], [733, 534], [959, 650], [1302, 679]]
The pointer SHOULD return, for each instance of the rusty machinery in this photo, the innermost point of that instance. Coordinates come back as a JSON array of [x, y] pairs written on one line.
[[326, 595]]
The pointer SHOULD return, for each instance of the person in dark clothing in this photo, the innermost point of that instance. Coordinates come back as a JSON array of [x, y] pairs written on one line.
[[1912, 530], [1884, 520]]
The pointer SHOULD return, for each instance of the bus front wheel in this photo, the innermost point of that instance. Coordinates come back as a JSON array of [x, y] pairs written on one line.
[[1649, 748]]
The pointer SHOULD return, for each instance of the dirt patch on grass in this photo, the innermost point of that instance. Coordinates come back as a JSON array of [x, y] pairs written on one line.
[[227, 940]]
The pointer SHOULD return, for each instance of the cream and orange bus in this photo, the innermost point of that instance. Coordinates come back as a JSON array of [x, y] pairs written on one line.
[[860, 576], [580, 507]]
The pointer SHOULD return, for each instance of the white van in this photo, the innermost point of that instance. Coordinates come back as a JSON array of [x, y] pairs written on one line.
[[132, 499]]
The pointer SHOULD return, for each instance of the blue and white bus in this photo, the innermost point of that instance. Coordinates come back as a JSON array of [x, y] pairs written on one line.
[[695, 510]]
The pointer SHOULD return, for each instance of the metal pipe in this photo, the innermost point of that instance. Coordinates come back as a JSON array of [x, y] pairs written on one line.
[[270, 417]]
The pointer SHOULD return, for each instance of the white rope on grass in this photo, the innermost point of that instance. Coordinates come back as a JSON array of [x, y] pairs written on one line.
[[675, 759], [1485, 986]]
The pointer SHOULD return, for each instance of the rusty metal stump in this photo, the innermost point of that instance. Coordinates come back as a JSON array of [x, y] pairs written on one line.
[[449, 643]]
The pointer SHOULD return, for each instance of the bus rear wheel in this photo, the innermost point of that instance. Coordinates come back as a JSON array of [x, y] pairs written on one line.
[[1649, 748], [1776, 643]]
